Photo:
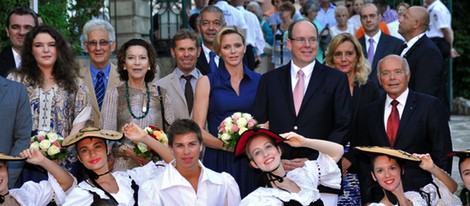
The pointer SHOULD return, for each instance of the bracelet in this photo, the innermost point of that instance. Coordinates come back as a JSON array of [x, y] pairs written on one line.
[[124, 151]]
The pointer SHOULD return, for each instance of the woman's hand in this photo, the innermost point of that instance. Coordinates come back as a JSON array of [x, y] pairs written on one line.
[[294, 139], [33, 156], [133, 132], [141, 161], [426, 161]]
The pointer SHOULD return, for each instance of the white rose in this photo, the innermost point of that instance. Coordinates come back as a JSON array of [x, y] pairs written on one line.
[[41, 133], [52, 136], [53, 150], [242, 122], [34, 145], [44, 144], [237, 114], [147, 130], [228, 120], [142, 147], [225, 137], [243, 129], [247, 116]]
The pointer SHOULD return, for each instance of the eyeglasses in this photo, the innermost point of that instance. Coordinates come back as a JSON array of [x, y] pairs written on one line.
[[102, 43], [310, 40]]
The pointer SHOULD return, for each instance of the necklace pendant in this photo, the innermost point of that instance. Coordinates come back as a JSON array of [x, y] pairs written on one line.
[[144, 109]]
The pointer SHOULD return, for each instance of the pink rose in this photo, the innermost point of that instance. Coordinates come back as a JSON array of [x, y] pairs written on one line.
[[41, 137], [251, 123], [234, 128], [56, 143]]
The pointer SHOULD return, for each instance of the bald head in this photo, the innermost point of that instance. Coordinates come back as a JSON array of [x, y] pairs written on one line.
[[420, 14], [414, 22]]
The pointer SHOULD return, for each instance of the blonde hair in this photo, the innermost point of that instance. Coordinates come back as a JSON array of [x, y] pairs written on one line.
[[224, 31], [362, 68]]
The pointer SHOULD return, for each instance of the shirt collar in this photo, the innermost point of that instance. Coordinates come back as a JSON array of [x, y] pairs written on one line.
[[179, 73], [413, 40], [401, 99], [17, 58], [307, 69], [94, 70], [376, 37], [173, 178]]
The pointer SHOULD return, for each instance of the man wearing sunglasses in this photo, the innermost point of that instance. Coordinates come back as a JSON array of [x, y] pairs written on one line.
[[99, 41]]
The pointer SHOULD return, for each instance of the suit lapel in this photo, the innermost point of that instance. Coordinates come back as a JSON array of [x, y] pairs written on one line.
[[175, 83], [87, 78], [202, 64], [407, 113], [3, 89], [415, 45], [316, 79], [379, 110], [381, 46], [113, 78], [285, 79]]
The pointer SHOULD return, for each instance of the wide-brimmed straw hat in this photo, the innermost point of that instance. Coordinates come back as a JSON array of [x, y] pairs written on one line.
[[91, 132], [388, 151], [10, 158], [241, 144]]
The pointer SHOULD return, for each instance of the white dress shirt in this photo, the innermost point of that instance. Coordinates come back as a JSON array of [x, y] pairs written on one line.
[[410, 43], [170, 188], [307, 74], [376, 39], [233, 17], [208, 57], [439, 18], [400, 107], [254, 35]]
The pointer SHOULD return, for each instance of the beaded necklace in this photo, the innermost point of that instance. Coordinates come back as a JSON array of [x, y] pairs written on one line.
[[145, 109]]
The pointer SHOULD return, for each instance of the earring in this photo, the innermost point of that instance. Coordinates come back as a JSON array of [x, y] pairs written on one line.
[[125, 68], [149, 68]]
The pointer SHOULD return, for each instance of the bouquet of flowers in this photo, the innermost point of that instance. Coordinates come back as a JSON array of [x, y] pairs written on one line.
[[49, 143], [141, 149], [233, 126]]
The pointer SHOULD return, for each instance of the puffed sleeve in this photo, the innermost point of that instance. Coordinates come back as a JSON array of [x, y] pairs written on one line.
[[82, 108], [415, 198], [43, 192], [447, 198], [147, 172], [149, 194], [327, 169], [78, 196], [233, 192]]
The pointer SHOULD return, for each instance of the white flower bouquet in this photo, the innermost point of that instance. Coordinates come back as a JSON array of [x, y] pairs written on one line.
[[49, 143], [141, 149], [233, 126]]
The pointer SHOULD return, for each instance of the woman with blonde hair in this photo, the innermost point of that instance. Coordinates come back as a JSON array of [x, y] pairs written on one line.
[[345, 54]]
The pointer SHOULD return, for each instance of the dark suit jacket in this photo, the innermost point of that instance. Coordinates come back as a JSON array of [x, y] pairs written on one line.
[[426, 68], [423, 129], [387, 45], [7, 61], [325, 112]]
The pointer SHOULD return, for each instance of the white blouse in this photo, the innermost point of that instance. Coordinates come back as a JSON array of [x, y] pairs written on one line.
[[40, 194], [170, 188], [447, 198], [81, 195], [323, 171]]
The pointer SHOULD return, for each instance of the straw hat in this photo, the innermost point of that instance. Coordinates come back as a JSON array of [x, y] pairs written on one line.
[[388, 151], [464, 153], [10, 158], [241, 144], [91, 132]]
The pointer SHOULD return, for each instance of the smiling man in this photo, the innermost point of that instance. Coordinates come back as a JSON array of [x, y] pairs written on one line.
[[98, 40], [181, 83], [185, 180], [19, 22], [406, 120]]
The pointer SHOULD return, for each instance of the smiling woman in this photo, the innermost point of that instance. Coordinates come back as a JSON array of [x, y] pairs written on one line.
[[137, 100]]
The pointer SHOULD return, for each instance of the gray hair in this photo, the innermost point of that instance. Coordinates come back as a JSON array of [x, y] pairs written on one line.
[[310, 6], [404, 63], [98, 24], [211, 8], [257, 8]]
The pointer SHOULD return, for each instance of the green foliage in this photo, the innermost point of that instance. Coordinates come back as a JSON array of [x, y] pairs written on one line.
[[461, 26], [84, 10], [54, 13], [7, 6]]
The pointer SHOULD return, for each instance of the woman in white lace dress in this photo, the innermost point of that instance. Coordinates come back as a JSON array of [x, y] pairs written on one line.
[[297, 187], [387, 169]]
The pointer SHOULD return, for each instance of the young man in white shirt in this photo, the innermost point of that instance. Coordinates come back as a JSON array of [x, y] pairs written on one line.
[[185, 180]]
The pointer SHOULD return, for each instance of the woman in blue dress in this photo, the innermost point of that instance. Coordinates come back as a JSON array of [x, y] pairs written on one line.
[[232, 88]]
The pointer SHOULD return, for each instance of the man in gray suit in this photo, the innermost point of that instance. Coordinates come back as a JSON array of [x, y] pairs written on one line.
[[98, 40], [16, 124], [181, 83]]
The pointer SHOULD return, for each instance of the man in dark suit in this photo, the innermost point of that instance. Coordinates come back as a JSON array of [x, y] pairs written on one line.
[[324, 109], [382, 45], [405, 120], [16, 125], [20, 21], [424, 57]]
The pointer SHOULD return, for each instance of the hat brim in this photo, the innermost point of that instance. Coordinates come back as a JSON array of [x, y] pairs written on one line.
[[241, 144], [91, 132], [388, 151], [10, 158], [462, 153]]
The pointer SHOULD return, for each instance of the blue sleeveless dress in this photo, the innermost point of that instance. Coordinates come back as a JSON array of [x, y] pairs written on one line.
[[223, 102]]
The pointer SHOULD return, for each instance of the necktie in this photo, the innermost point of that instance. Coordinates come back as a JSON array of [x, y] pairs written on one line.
[[370, 51], [393, 122], [403, 50], [188, 92], [100, 89], [212, 61], [299, 91]]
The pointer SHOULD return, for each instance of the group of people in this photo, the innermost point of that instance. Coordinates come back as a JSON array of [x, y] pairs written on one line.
[[312, 116]]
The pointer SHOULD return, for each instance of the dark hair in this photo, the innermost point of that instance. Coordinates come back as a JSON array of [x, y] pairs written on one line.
[[288, 6], [121, 58], [375, 190], [193, 21], [183, 126], [209, 9], [184, 34], [65, 70], [291, 27], [373, 157], [22, 11], [462, 158], [248, 143]]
